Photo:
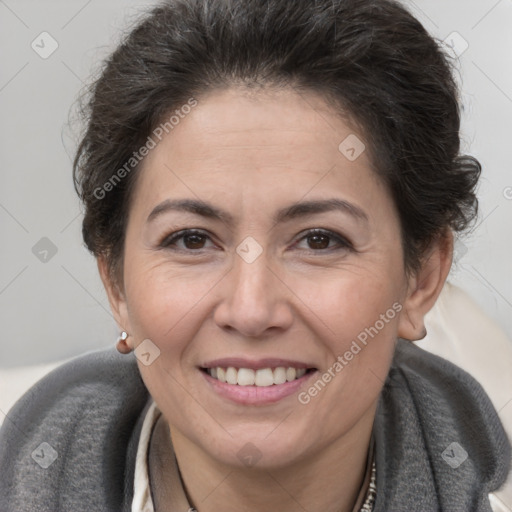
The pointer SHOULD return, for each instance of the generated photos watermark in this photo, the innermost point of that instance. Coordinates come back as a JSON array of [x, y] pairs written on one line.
[[356, 347], [137, 156]]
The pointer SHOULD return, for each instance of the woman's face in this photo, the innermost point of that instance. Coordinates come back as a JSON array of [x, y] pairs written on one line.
[[295, 261]]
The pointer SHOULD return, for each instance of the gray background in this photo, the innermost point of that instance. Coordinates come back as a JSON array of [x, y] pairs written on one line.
[[56, 308]]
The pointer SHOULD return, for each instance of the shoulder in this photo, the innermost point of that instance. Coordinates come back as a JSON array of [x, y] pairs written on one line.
[[450, 398], [77, 424], [85, 387], [439, 440]]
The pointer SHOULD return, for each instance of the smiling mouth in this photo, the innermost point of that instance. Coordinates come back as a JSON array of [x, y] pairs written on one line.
[[263, 377]]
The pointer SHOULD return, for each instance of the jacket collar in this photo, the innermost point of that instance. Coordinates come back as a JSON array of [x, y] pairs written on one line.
[[440, 444]]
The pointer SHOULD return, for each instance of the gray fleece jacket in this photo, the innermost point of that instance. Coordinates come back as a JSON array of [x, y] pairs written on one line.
[[440, 445]]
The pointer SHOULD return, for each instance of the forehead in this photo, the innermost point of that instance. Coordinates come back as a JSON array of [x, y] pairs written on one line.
[[269, 144], [265, 122]]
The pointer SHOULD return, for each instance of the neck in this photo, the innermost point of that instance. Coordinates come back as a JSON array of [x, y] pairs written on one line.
[[328, 481]]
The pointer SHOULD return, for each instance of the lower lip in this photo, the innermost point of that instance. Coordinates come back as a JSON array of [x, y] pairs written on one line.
[[256, 395]]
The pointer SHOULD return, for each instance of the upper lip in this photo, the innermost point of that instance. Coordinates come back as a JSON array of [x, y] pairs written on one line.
[[255, 364]]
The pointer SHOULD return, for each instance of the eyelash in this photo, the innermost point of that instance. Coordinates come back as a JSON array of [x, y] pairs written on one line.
[[170, 240]]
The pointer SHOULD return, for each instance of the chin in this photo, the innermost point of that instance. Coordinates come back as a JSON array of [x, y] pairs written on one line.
[[260, 451]]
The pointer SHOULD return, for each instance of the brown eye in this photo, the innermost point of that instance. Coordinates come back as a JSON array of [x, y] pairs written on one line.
[[194, 241], [186, 240], [320, 240]]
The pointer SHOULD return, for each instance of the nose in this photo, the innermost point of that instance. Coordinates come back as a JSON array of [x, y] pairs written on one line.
[[255, 300]]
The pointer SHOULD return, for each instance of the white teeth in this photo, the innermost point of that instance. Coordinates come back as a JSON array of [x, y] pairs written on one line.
[[245, 377], [221, 374], [231, 375], [280, 375], [291, 373], [263, 377]]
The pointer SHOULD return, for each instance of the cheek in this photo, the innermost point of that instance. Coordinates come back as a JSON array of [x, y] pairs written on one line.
[[357, 324], [164, 300], [165, 306], [349, 302]]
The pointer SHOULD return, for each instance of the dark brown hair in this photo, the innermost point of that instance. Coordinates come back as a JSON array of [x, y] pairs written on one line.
[[371, 59]]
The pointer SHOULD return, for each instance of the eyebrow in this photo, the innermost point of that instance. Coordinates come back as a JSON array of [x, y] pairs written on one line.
[[294, 211]]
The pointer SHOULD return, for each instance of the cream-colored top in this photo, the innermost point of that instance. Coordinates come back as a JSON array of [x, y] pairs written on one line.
[[142, 501]]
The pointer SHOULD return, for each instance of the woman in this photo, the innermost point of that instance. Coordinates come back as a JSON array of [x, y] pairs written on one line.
[[271, 190]]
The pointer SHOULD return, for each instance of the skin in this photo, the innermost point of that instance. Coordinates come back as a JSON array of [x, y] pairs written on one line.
[[252, 154]]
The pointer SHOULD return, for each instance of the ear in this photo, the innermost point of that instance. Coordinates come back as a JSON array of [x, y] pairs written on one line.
[[116, 298], [425, 286]]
